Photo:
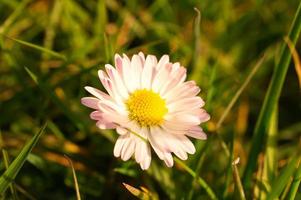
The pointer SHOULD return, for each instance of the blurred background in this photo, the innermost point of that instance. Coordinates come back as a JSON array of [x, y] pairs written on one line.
[[219, 51]]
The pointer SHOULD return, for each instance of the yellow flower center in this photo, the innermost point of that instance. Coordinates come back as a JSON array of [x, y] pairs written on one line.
[[146, 107]]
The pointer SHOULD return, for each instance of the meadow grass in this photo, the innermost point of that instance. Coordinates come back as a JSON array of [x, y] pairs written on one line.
[[50, 50]]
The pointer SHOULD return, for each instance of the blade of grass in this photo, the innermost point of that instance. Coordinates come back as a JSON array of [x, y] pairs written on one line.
[[4, 27], [239, 91], [271, 100], [49, 92], [282, 180], [6, 163], [295, 57], [50, 31], [197, 49], [295, 184], [237, 179], [270, 161], [37, 47], [74, 178], [13, 169], [201, 181]]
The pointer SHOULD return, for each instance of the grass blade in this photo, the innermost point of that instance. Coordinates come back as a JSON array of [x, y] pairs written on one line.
[[238, 93], [40, 48], [74, 178], [282, 180], [295, 184], [6, 163], [237, 180], [55, 99], [271, 100], [295, 57], [12, 171], [199, 179]]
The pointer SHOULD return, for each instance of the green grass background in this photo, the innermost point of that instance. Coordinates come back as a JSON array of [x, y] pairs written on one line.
[[51, 49]]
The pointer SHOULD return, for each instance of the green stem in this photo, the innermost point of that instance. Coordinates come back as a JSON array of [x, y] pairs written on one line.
[[271, 100], [199, 179]]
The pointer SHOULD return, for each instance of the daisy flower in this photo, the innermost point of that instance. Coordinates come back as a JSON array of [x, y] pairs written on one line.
[[150, 104]]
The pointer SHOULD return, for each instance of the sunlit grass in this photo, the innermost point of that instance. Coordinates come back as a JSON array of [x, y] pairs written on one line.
[[50, 50]]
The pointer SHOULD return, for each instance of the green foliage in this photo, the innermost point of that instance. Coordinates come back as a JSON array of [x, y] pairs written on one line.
[[50, 50], [11, 172]]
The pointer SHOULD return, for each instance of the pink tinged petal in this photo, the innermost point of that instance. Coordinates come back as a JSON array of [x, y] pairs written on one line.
[[127, 73], [172, 79], [181, 154], [148, 72], [96, 115], [182, 104], [107, 84], [105, 125], [177, 91], [197, 132], [90, 102], [142, 57], [179, 77], [136, 66], [161, 77], [128, 149], [175, 127], [162, 62], [118, 64], [117, 81], [203, 115], [119, 144], [97, 93], [121, 68]]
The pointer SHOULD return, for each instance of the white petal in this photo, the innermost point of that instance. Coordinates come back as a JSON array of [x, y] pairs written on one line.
[[121, 131], [119, 144], [162, 62], [182, 104], [117, 81], [148, 72], [168, 159], [128, 149], [136, 66], [161, 77], [97, 93]]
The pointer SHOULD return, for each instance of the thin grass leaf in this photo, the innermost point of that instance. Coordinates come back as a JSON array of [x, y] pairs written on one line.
[[40, 48], [74, 178], [10, 174], [295, 184], [237, 180], [296, 58], [6, 163], [17, 12], [201, 181], [50, 31], [239, 91], [197, 49], [140, 194], [282, 180], [271, 100], [49, 92]]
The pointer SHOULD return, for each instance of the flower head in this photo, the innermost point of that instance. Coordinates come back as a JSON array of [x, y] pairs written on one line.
[[149, 103]]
